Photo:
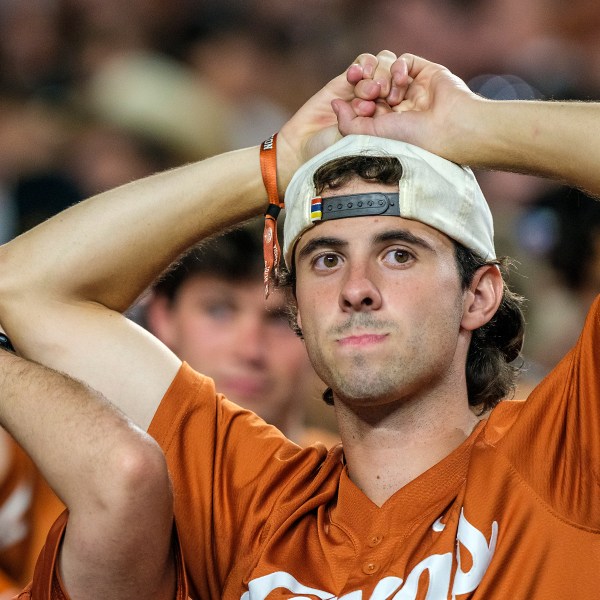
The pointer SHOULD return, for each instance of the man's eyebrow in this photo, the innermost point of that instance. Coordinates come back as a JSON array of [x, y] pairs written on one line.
[[321, 242], [392, 235], [402, 235]]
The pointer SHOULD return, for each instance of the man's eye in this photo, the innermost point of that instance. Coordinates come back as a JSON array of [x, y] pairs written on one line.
[[327, 261], [219, 310], [398, 256]]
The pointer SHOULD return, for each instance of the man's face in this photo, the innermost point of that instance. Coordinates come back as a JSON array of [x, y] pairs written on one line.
[[380, 306], [226, 330]]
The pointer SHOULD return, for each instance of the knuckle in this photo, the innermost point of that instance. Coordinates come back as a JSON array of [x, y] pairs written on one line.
[[364, 57], [387, 54]]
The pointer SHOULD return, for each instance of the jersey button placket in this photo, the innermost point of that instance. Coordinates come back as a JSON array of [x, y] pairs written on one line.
[[372, 565]]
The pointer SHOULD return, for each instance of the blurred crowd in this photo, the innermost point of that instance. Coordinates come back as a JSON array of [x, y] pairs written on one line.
[[95, 93]]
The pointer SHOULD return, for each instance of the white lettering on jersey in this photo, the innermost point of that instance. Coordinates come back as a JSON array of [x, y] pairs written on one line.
[[438, 525], [13, 527], [260, 588], [475, 542], [439, 567]]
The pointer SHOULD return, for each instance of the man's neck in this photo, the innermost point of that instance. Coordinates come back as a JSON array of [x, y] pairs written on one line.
[[388, 447]]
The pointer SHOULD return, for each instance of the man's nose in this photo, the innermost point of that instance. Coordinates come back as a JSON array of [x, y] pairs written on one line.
[[359, 291], [251, 339]]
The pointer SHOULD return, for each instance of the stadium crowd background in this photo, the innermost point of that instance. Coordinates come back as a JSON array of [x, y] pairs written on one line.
[[95, 93]]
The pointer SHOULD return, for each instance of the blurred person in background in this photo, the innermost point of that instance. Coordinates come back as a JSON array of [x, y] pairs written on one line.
[[33, 55], [223, 50], [229, 39], [210, 309], [561, 229], [33, 138]]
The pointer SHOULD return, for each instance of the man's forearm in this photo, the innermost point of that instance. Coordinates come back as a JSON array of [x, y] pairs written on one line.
[[65, 282], [67, 428], [107, 249], [432, 108], [112, 477], [560, 140]]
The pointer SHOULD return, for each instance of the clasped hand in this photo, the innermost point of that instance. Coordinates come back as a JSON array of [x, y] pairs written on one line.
[[405, 98]]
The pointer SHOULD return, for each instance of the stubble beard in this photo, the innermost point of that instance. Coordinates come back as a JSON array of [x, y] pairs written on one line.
[[358, 378], [362, 379]]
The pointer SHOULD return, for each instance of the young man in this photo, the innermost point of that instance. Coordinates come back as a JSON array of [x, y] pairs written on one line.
[[426, 499], [210, 309], [111, 476]]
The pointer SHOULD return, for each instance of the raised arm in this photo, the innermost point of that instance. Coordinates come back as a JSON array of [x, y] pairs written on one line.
[[423, 103], [65, 283], [111, 475]]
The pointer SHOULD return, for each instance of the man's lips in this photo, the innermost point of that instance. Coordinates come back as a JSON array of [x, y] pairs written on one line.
[[362, 339]]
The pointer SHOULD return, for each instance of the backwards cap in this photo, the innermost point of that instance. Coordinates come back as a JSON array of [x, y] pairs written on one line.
[[432, 190]]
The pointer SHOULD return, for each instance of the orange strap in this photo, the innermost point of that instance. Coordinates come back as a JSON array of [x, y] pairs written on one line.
[[271, 249]]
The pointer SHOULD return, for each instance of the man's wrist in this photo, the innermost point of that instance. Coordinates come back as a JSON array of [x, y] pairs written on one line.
[[288, 162]]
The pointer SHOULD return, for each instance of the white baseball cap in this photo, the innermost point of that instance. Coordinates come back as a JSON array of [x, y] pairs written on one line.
[[432, 190]]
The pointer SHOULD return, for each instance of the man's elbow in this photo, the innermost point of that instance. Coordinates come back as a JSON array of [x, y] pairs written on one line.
[[139, 478], [119, 533]]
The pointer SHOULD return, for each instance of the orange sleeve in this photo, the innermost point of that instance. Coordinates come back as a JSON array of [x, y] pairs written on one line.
[[46, 584], [230, 471], [555, 442], [46, 508]]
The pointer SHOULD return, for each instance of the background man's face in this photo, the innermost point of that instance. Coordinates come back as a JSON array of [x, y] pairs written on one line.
[[225, 329]]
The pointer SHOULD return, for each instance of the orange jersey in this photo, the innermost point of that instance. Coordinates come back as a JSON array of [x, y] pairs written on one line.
[[514, 512]]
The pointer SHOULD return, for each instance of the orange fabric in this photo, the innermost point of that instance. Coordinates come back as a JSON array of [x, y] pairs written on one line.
[[45, 510], [27, 509], [514, 512], [16, 496], [47, 585]]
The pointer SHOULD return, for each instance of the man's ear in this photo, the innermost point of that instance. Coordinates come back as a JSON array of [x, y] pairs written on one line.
[[483, 297], [159, 319]]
